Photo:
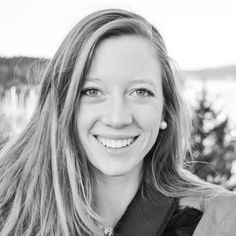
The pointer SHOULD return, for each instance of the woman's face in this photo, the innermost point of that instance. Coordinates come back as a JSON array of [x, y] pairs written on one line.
[[121, 105]]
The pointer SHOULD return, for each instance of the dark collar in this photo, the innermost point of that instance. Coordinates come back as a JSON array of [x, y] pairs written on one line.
[[147, 214]]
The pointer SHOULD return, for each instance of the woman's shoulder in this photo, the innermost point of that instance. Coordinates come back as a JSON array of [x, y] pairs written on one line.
[[203, 202], [219, 216]]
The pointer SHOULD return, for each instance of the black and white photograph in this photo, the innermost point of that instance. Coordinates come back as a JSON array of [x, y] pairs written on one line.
[[118, 118]]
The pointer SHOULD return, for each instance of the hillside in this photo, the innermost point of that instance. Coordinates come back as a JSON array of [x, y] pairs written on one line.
[[18, 70], [224, 72]]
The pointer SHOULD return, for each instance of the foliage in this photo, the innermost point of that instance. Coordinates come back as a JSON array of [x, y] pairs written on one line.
[[20, 70], [213, 149]]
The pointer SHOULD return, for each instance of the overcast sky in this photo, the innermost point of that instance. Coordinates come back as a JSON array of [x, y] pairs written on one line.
[[198, 33]]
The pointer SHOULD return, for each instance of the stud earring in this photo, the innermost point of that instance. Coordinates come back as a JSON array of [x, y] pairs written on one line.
[[163, 125]]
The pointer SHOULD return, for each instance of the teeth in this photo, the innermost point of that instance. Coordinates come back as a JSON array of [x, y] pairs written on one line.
[[111, 143]]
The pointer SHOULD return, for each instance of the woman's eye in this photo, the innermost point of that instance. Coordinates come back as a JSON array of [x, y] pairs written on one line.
[[91, 92], [143, 93]]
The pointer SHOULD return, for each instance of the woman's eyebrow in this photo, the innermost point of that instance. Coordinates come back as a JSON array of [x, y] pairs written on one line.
[[91, 79], [142, 81], [135, 81]]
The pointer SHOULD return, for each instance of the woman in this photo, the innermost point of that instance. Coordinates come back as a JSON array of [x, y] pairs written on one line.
[[104, 152]]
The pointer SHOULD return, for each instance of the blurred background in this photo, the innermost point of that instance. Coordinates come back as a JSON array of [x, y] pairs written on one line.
[[200, 37]]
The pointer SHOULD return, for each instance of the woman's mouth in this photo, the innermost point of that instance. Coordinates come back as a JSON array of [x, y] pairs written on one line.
[[116, 143]]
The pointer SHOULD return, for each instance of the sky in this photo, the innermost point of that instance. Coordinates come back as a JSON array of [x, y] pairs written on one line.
[[197, 33]]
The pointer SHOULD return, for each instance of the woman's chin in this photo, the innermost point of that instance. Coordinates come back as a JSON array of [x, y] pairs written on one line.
[[116, 171]]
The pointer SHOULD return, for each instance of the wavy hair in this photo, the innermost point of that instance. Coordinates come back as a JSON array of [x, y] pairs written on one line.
[[46, 181]]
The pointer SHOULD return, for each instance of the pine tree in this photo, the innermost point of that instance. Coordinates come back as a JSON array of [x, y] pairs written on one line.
[[212, 151]]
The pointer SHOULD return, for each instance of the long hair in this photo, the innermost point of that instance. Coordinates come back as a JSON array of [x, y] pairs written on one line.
[[46, 181]]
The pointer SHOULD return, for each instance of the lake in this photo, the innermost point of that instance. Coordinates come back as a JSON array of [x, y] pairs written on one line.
[[18, 107], [221, 93]]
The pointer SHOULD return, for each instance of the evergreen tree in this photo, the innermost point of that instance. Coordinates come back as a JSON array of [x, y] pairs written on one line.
[[212, 151]]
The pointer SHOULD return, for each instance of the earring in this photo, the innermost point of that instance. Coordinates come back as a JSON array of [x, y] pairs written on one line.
[[163, 125]]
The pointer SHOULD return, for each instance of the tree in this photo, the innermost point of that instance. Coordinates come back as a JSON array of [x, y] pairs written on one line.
[[212, 150]]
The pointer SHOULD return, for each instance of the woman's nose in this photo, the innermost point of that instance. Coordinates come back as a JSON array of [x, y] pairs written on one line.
[[117, 114]]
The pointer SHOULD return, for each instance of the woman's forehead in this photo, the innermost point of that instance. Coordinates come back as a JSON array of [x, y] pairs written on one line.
[[125, 56]]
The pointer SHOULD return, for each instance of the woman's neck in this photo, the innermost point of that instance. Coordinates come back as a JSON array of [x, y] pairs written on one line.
[[114, 194]]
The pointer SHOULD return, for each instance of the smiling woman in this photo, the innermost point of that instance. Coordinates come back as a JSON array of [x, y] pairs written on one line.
[[104, 153], [112, 127]]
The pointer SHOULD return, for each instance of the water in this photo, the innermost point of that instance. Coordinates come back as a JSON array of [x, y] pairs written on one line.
[[221, 93]]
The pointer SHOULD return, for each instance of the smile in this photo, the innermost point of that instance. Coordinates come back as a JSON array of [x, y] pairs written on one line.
[[115, 143]]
